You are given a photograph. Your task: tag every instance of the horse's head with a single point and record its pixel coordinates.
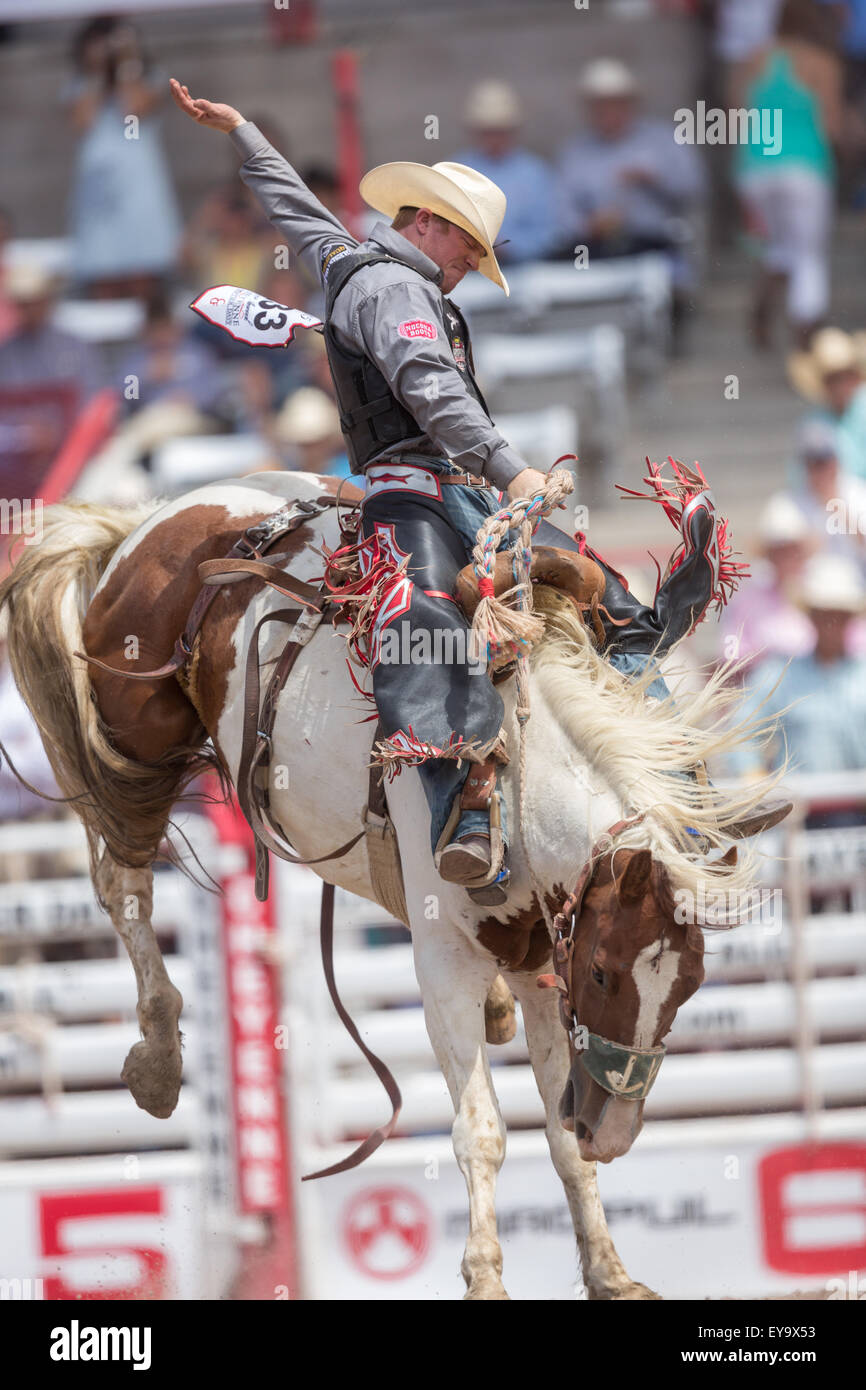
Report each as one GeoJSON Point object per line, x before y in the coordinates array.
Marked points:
{"type": "Point", "coordinates": [632, 964]}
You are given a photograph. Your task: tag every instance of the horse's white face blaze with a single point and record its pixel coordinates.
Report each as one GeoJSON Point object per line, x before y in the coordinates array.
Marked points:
{"type": "Point", "coordinates": [650, 965]}
{"type": "Point", "coordinates": [654, 973]}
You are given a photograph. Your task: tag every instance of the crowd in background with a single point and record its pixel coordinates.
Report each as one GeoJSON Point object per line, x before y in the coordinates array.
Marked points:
{"type": "Point", "coordinates": [617, 186]}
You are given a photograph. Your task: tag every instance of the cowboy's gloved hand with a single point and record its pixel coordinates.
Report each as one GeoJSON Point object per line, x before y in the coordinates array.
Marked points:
{"type": "Point", "coordinates": [214, 115]}
{"type": "Point", "coordinates": [527, 483]}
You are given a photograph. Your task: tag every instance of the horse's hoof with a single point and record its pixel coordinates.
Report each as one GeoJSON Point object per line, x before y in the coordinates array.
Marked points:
{"type": "Point", "coordinates": [153, 1077]}
{"type": "Point", "coordinates": [622, 1293]}
{"type": "Point", "coordinates": [486, 1293]}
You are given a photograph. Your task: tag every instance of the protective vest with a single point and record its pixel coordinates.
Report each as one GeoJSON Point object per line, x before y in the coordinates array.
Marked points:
{"type": "Point", "coordinates": [371, 417]}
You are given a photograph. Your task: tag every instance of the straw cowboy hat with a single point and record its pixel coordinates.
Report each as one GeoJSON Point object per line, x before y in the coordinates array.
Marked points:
{"type": "Point", "coordinates": [833, 582]}
{"type": "Point", "coordinates": [607, 77]}
{"type": "Point", "coordinates": [830, 351]}
{"type": "Point", "coordinates": [493, 106]}
{"type": "Point", "coordinates": [454, 191]}
{"type": "Point", "coordinates": [781, 523]}
{"type": "Point", "coordinates": [25, 282]}
{"type": "Point", "coordinates": [308, 417]}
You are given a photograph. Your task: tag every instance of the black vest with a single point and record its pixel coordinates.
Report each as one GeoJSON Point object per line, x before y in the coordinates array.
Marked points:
{"type": "Point", "coordinates": [371, 417]}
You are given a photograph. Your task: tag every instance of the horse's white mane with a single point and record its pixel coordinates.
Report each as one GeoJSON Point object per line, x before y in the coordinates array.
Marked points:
{"type": "Point", "coordinates": [636, 743]}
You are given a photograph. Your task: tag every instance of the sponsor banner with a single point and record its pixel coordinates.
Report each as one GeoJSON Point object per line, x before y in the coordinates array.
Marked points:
{"type": "Point", "coordinates": [249, 318]}
{"type": "Point", "coordinates": [749, 1222]}
{"type": "Point", "coordinates": [123, 1227]}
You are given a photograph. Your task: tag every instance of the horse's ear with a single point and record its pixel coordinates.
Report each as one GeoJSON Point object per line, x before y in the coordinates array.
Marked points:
{"type": "Point", "coordinates": [729, 858]}
{"type": "Point", "coordinates": [631, 884]}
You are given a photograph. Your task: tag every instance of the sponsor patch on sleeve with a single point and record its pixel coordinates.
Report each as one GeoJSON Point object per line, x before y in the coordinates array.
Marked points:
{"type": "Point", "coordinates": [418, 328]}
{"type": "Point", "coordinates": [334, 253]}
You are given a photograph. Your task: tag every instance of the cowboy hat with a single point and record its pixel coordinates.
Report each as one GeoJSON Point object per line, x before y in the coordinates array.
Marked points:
{"type": "Point", "coordinates": [309, 416]}
{"type": "Point", "coordinates": [454, 191]}
{"type": "Point", "coordinates": [833, 582]}
{"type": "Point", "coordinates": [830, 351]}
{"type": "Point", "coordinates": [493, 106]}
{"type": "Point", "coordinates": [607, 77]}
{"type": "Point", "coordinates": [781, 523]}
{"type": "Point", "coordinates": [25, 283]}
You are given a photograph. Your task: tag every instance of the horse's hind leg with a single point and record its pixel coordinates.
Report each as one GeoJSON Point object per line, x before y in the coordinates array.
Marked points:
{"type": "Point", "coordinates": [604, 1275]}
{"type": "Point", "coordinates": [152, 1070]}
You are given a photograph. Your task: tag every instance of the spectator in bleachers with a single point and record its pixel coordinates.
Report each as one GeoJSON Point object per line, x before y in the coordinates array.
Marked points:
{"type": "Point", "coordinates": [626, 186]}
{"type": "Point", "coordinates": [788, 196]}
{"type": "Point", "coordinates": [172, 385]}
{"type": "Point", "coordinates": [46, 375]}
{"type": "Point", "coordinates": [819, 701]}
{"type": "Point", "coordinates": [308, 435]}
{"type": "Point", "coordinates": [763, 618]}
{"type": "Point", "coordinates": [832, 502]}
{"type": "Point", "coordinates": [125, 223]}
{"type": "Point", "coordinates": [225, 243]}
{"type": "Point", "coordinates": [493, 119]}
{"type": "Point", "coordinates": [831, 374]}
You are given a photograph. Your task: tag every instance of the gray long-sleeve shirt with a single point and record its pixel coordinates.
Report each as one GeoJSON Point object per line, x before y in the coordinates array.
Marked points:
{"type": "Point", "coordinates": [371, 309]}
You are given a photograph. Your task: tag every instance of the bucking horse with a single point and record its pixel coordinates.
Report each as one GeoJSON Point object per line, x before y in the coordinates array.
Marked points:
{"type": "Point", "coordinates": [609, 837]}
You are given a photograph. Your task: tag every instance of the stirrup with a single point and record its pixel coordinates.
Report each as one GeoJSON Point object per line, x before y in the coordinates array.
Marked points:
{"type": "Point", "coordinates": [497, 843]}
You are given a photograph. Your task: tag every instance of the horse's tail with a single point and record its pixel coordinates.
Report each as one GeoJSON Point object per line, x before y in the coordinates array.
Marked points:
{"type": "Point", "coordinates": [46, 596]}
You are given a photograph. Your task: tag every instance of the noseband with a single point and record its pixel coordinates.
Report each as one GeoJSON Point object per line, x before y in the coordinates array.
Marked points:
{"type": "Point", "coordinates": [623, 1071]}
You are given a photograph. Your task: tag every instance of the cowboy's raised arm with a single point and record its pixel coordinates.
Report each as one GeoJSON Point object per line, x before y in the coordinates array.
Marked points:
{"type": "Point", "coordinates": [306, 224]}
{"type": "Point", "coordinates": [404, 332]}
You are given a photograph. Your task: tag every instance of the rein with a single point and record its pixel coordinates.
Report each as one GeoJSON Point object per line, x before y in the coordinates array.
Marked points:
{"type": "Point", "coordinates": [621, 1070]}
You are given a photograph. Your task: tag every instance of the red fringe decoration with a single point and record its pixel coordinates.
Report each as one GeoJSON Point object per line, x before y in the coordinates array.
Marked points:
{"type": "Point", "coordinates": [675, 495]}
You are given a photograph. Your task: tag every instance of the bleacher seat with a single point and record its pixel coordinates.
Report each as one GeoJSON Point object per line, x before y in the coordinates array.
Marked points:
{"type": "Point", "coordinates": [101, 321]}
{"type": "Point", "coordinates": [585, 371]}
{"type": "Point", "coordinates": [195, 460]}
{"type": "Point", "coordinates": [541, 436]}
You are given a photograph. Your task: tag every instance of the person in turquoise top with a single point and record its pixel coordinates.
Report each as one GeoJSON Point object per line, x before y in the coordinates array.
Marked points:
{"type": "Point", "coordinates": [786, 183]}
{"type": "Point", "coordinates": [831, 374]}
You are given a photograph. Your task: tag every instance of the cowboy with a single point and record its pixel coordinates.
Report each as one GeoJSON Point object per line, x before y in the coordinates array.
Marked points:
{"type": "Point", "coordinates": [417, 426]}
{"type": "Point", "coordinates": [831, 375]}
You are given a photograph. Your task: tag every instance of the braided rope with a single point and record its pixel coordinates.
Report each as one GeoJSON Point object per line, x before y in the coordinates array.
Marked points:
{"type": "Point", "coordinates": [506, 627]}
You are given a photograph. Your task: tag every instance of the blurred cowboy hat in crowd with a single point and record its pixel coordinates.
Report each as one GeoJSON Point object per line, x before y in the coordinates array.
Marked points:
{"type": "Point", "coordinates": [607, 77]}
{"type": "Point", "coordinates": [454, 191]}
{"type": "Point", "coordinates": [830, 351]}
{"type": "Point", "coordinates": [834, 583]}
{"type": "Point", "coordinates": [493, 106]}
{"type": "Point", "coordinates": [781, 523]}
{"type": "Point", "coordinates": [309, 416]}
{"type": "Point", "coordinates": [26, 283]}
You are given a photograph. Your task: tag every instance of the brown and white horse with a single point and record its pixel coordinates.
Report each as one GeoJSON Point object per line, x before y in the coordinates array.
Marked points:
{"type": "Point", "coordinates": [119, 584]}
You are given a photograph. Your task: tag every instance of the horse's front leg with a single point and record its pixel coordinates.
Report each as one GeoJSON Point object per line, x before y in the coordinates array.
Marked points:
{"type": "Point", "coordinates": [454, 983]}
{"type": "Point", "coordinates": [604, 1274]}
{"type": "Point", "coordinates": [152, 1070]}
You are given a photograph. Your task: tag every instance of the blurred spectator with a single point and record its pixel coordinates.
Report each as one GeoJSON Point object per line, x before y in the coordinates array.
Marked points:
{"type": "Point", "coordinates": [493, 118]}
{"type": "Point", "coordinates": [8, 316]}
{"type": "Point", "coordinates": [819, 701]}
{"type": "Point", "coordinates": [788, 196]}
{"type": "Point", "coordinates": [172, 386]}
{"type": "Point", "coordinates": [307, 433]}
{"type": "Point", "coordinates": [124, 219]}
{"type": "Point", "coordinates": [763, 618]}
{"type": "Point", "coordinates": [832, 502]}
{"type": "Point", "coordinates": [831, 374]}
{"type": "Point", "coordinates": [46, 375]}
{"type": "Point", "coordinates": [225, 243]}
{"type": "Point", "coordinates": [626, 186]}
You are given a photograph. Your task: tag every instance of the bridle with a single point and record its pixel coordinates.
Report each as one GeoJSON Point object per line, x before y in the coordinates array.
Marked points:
{"type": "Point", "coordinates": [627, 1072]}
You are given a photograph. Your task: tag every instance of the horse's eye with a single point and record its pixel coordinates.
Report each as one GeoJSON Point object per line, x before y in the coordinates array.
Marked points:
{"type": "Point", "coordinates": [598, 975]}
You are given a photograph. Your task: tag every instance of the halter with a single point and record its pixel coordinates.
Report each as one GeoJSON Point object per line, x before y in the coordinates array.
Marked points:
{"type": "Point", "coordinates": [621, 1070]}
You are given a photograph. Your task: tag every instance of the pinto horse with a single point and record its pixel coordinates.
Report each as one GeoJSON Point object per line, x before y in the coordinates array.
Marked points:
{"type": "Point", "coordinates": [118, 584]}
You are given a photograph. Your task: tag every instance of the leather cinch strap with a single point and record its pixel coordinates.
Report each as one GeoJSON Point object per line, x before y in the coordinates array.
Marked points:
{"type": "Point", "coordinates": [378, 1136]}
